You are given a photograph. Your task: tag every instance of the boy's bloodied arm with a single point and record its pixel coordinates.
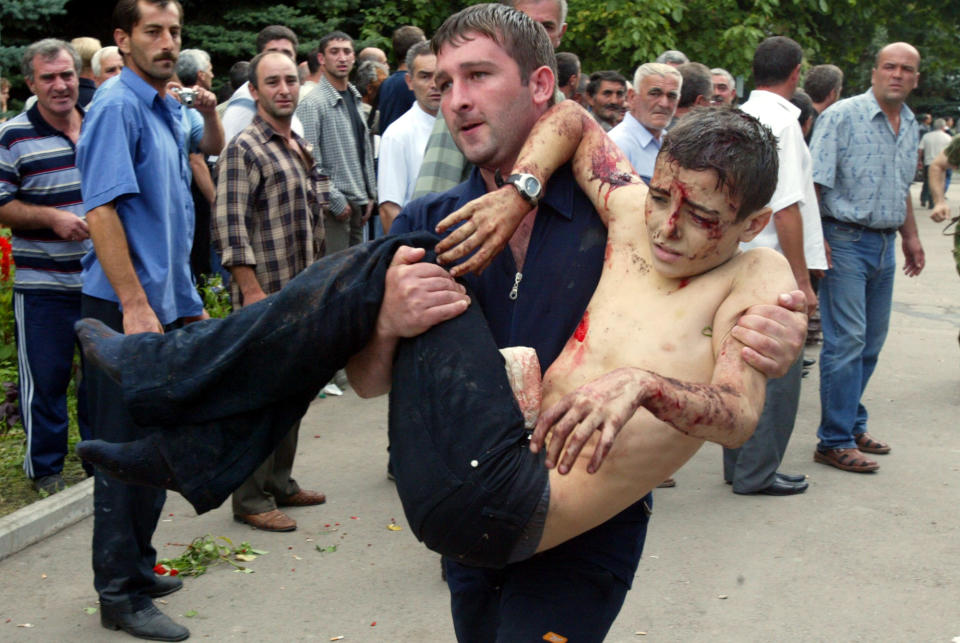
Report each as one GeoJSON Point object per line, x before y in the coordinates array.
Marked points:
{"type": "Point", "coordinates": [563, 133]}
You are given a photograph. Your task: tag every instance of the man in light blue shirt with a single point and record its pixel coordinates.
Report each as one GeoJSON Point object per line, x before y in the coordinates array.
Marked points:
{"type": "Point", "coordinates": [864, 157]}
{"type": "Point", "coordinates": [654, 102]}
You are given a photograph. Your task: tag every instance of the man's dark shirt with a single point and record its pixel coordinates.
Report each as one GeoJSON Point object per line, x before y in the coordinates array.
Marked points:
{"type": "Point", "coordinates": [395, 98]}
{"type": "Point", "coordinates": [87, 89]}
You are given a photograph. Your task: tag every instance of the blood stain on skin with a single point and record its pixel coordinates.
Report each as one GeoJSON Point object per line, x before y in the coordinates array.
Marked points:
{"type": "Point", "coordinates": [607, 253]}
{"type": "Point", "coordinates": [683, 283]}
{"type": "Point", "coordinates": [604, 166]}
{"type": "Point", "coordinates": [581, 333]}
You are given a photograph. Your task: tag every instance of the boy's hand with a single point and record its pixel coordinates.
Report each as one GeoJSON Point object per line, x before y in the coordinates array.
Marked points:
{"type": "Point", "coordinates": [605, 405]}
{"type": "Point", "coordinates": [488, 224]}
{"type": "Point", "coordinates": [773, 336]}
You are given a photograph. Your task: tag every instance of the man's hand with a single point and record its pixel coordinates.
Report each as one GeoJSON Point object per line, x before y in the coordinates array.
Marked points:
{"type": "Point", "coordinates": [205, 101]}
{"type": "Point", "coordinates": [605, 405]}
{"type": "Point", "coordinates": [488, 224]}
{"type": "Point", "coordinates": [140, 318]}
{"type": "Point", "coordinates": [940, 212]}
{"type": "Point", "coordinates": [367, 212]}
{"type": "Point", "coordinates": [68, 226]}
{"type": "Point", "coordinates": [913, 256]}
{"type": "Point", "coordinates": [345, 215]}
{"type": "Point", "coordinates": [417, 296]}
{"type": "Point", "coordinates": [773, 335]}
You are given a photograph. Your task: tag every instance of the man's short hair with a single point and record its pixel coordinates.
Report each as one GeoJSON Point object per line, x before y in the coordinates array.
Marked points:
{"type": "Point", "coordinates": [672, 57]}
{"type": "Point", "coordinates": [86, 47]}
{"type": "Point", "coordinates": [313, 63]}
{"type": "Point", "coordinates": [126, 13]}
{"type": "Point", "coordinates": [419, 49]}
{"type": "Point", "coordinates": [738, 147]}
{"type": "Point", "coordinates": [524, 39]}
{"type": "Point", "coordinates": [47, 49]}
{"type": "Point", "coordinates": [238, 73]}
{"type": "Point", "coordinates": [775, 59]}
{"type": "Point", "coordinates": [609, 75]}
{"type": "Point", "coordinates": [96, 63]}
{"type": "Point", "coordinates": [821, 80]}
{"type": "Point", "coordinates": [276, 32]}
{"type": "Point", "coordinates": [720, 71]}
{"type": "Point", "coordinates": [656, 69]}
{"type": "Point", "coordinates": [568, 64]}
{"type": "Point", "coordinates": [367, 74]}
{"type": "Point", "coordinates": [560, 3]}
{"type": "Point", "coordinates": [802, 100]}
{"type": "Point", "coordinates": [405, 37]}
{"type": "Point", "coordinates": [190, 63]}
{"type": "Point", "coordinates": [939, 123]}
{"type": "Point", "coordinates": [697, 81]}
{"type": "Point", "coordinates": [330, 37]}
{"type": "Point", "coordinates": [252, 71]}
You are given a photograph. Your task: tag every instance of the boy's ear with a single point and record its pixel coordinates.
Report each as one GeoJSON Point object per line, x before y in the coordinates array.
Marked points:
{"type": "Point", "coordinates": [755, 222]}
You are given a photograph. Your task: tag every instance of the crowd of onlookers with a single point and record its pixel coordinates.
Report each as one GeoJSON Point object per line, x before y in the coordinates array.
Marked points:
{"type": "Point", "coordinates": [126, 182]}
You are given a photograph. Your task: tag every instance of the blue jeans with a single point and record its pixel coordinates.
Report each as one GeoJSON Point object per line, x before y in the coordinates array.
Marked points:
{"type": "Point", "coordinates": [855, 299]}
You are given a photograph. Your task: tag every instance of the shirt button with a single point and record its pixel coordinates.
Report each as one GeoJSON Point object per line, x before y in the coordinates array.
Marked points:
{"type": "Point", "coordinates": [474, 464]}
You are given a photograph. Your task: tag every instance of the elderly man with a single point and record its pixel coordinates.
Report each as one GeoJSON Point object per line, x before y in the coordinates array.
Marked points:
{"type": "Point", "coordinates": [864, 159]}
{"type": "Point", "coordinates": [40, 201]}
{"type": "Point", "coordinates": [724, 87]}
{"type": "Point", "coordinates": [653, 102]}
{"type": "Point", "coordinates": [106, 63]}
{"type": "Point", "coordinates": [607, 91]}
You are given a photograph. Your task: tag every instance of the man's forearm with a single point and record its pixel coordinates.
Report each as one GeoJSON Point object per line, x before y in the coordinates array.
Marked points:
{"type": "Point", "coordinates": [201, 176]}
{"type": "Point", "coordinates": [789, 224]}
{"type": "Point", "coordinates": [370, 371]}
{"type": "Point", "coordinates": [27, 216]}
{"type": "Point", "coordinates": [246, 278]}
{"type": "Point", "coordinates": [937, 179]}
{"type": "Point", "coordinates": [388, 212]}
{"type": "Point", "coordinates": [213, 138]}
{"type": "Point", "coordinates": [113, 253]}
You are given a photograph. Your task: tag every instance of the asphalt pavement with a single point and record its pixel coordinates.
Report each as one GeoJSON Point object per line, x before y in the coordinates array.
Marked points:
{"type": "Point", "coordinates": [858, 557]}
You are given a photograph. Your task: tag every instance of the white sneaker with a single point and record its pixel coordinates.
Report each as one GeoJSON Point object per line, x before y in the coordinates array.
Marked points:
{"type": "Point", "coordinates": [332, 389]}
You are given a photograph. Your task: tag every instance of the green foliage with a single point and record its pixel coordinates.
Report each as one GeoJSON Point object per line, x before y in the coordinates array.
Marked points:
{"type": "Point", "coordinates": [216, 298]}
{"type": "Point", "coordinates": [206, 551]}
{"type": "Point", "coordinates": [31, 18]}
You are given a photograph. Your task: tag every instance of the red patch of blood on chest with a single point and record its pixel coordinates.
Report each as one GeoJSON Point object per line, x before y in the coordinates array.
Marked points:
{"type": "Point", "coordinates": [581, 333]}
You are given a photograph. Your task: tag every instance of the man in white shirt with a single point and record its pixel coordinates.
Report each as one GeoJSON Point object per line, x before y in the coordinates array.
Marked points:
{"type": "Point", "coordinates": [776, 69]}
{"type": "Point", "coordinates": [652, 106]}
{"type": "Point", "coordinates": [403, 144]}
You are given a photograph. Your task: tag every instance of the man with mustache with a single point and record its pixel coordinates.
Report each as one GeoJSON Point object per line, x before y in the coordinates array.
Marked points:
{"type": "Point", "coordinates": [136, 196]}
{"type": "Point", "coordinates": [654, 101]}
{"type": "Point", "coordinates": [333, 125]}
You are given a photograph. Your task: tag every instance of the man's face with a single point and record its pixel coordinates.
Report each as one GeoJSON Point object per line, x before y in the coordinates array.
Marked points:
{"type": "Point", "coordinates": [655, 102]}
{"type": "Point", "coordinates": [420, 80]}
{"type": "Point", "coordinates": [154, 43]}
{"type": "Point", "coordinates": [281, 45]}
{"type": "Point", "coordinates": [205, 77]}
{"type": "Point", "coordinates": [896, 73]}
{"type": "Point", "coordinates": [723, 91]}
{"type": "Point", "coordinates": [608, 101]}
{"type": "Point", "coordinates": [337, 59]}
{"type": "Point", "coordinates": [691, 225]}
{"type": "Point", "coordinates": [547, 13]}
{"type": "Point", "coordinates": [110, 65]}
{"type": "Point", "coordinates": [488, 109]}
{"type": "Point", "coordinates": [278, 87]}
{"type": "Point", "coordinates": [55, 83]}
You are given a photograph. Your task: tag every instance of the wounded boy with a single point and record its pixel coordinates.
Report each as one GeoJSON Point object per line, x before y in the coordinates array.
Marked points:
{"type": "Point", "coordinates": [672, 287]}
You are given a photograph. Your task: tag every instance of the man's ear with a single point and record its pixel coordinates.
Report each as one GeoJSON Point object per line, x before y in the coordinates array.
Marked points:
{"type": "Point", "coordinates": [756, 221]}
{"type": "Point", "coordinates": [542, 84]}
{"type": "Point", "coordinates": [121, 38]}
{"type": "Point", "coordinates": [409, 79]}
{"type": "Point", "coordinates": [702, 101]}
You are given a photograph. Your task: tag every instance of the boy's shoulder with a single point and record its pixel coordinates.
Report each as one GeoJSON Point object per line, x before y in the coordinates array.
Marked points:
{"type": "Point", "coordinates": [760, 271]}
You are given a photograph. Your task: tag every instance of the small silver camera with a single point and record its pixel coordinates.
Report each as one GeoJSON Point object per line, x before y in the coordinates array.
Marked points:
{"type": "Point", "coordinates": [187, 96]}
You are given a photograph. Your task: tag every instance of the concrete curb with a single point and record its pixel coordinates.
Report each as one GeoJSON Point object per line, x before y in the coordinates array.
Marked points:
{"type": "Point", "coordinates": [45, 517]}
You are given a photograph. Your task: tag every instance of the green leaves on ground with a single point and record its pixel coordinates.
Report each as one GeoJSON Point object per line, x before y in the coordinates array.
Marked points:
{"type": "Point", "coordinates": [206, 551]}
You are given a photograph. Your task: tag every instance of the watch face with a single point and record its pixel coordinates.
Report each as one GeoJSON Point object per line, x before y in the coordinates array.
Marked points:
{"type": "Point", "coordinates": [531, 186]}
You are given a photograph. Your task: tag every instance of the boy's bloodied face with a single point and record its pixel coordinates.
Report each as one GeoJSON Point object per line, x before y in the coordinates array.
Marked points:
{"type": "Point", "coordinates": [691, 221]}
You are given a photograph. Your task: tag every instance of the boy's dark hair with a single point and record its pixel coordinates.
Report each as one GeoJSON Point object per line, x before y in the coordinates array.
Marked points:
{"type": "Point", "coordinates": [609, 75]}
{"type": "Point", "coordinates": [738, 147]}
{"type": "Point", "coordinates": [697, 81]}
{"type": "Point", "coordinates": [775, 59]}
{"type": "Point", "coordinates": [333, 35]}
{"type": "Point", "coordinates": [403, 38]}
{"type": "Point", "coordinates": [821, 80]}
{"type": "Point", "coordinates": [126, 13]}
{"type": "Point", "coordinates": [277, 32]}
{"type": "Point", "coordinates": [524, 39]}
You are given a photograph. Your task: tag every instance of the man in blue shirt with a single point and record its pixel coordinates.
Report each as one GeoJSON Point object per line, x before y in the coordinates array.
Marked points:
{"type": "Point", "coordinates": [136, 190]}
{"type": "Point", "coordinates": [864, 156]}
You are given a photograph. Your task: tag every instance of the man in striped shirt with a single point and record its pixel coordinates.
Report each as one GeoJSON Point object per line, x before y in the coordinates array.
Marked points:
{"type": "Point", "coordinates": [40, 201]}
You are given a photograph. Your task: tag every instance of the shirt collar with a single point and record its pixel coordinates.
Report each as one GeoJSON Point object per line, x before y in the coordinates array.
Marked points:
{"type": "Point", "coordinates": [332, 94]}
{"type": "Point", "coordinates": [775, 99]}
{"type": "Point", "coordinates": [906, 114]}
{"type": "Point", "coordinates": [144, 91]}
{"type": "Point", "coordinates": [42, 126]}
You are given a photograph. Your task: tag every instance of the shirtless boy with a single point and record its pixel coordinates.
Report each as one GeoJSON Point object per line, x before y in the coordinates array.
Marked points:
{"type": "Point", "coordinates": [657, 329]}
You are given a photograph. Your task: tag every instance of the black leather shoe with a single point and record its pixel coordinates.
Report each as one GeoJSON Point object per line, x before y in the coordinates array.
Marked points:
{"type": "Point", "coordinates": [781, 487]}
{"type": "Point", "coordinates": [790, 477]}
{"type": "Point", "coordinates": [163, 585]}
{"type": "Point", "coordinates": [149, 623]}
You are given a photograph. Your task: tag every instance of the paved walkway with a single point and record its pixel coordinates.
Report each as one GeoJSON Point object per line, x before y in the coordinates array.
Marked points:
{"type": "Point", "coordinates": [856, 558]}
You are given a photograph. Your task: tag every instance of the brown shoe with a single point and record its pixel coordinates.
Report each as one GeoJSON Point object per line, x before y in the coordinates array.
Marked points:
{"type": "Point", "coordinates": [846, 459]}
{"type": "Point", "coordinates": [666, 484]}
{"type": "Point", "coordinates": [274, 520]}
{"type": "Point", "coordinates": [868, 445]}
{"type": "Point", "coordinates": [303, 498]}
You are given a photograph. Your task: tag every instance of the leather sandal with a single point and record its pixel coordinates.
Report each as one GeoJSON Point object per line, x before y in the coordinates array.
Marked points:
{"type": "Point", "coordinates": [303, 498]}
{"type": "Point", "coordinates": [867, 444]}
{"type": "Point", "coordinates": [846, 459]}
{"type": "Point", "coordinates": [274, 520]}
